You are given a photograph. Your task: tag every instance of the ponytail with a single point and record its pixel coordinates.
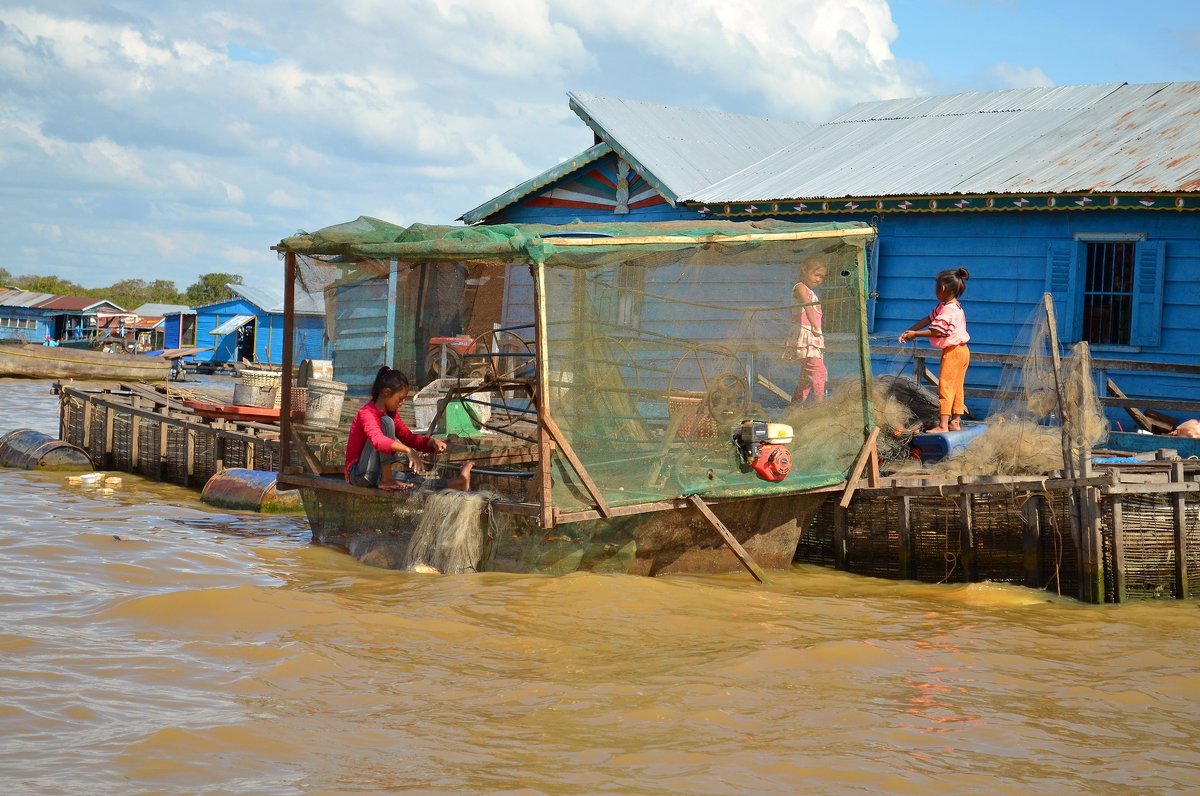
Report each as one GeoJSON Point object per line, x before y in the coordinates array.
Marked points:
{"type": "Point", "coordinates": [955, 279]}
{"type": "Point", "coordinates": [388, 379]}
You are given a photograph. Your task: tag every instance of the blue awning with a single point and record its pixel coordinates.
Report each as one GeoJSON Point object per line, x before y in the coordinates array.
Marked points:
{"type": "Point", "coordinates": [232, 325]}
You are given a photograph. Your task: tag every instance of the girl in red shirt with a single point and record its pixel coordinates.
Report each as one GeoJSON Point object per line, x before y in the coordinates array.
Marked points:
{"type": "Point", "coordinates": [379, 439]}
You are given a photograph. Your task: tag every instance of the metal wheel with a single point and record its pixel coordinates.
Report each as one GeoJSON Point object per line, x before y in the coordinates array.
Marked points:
{"type": "Point", "coordinates": [707, 393]}
{"type": "Point", "coordinates": [505, 361]}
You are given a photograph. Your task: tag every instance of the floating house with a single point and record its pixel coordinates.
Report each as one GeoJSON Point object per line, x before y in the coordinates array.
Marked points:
{"type": "Point", "coordinates": [248, 327]}
{"type": "Point", "coordinates": [1090, 193]}
{"type": "Point", "coordinates": [32, 317]}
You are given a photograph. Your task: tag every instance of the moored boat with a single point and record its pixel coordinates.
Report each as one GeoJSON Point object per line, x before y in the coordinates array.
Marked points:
{"type": "Point", "coordinates": [21, 360]}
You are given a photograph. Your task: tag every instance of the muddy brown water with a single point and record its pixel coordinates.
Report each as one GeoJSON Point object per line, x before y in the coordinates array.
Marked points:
{"type": "Point", "coordinates": [151, 644]}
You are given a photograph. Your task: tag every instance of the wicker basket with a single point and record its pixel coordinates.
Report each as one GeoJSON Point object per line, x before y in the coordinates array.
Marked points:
{"type": "Point", "coordinates": [267, 379]}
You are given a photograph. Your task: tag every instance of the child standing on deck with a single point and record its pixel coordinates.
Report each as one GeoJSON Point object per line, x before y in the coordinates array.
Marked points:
{"type": "Point", "coordinates": [379, 438]}
{"type": "Point", "coordinates": [806, 344]}
{"type": "Point", "coordinates": [946, 328]}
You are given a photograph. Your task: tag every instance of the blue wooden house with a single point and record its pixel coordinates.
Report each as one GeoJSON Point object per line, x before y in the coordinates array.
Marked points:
{"type": "Point", "coordinates": [249, 327]}
{"type": "Point", "coordinates": [1090, 193]}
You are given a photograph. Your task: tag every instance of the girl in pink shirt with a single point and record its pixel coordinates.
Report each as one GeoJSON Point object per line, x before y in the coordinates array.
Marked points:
{"type": "Point", "coordinates": [806, 344]}
{"type": "Point", "coordinates": [379, 438]}
{"type": "Point", "coordinates": [946, 328]}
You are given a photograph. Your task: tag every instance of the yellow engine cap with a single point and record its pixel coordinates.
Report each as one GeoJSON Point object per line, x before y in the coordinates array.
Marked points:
{"type": "Point", "coordinates": [780, 433]}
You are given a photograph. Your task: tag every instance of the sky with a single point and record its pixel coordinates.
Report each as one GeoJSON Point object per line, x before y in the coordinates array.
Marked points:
{"type": "Point", "coordinates": [150, 140]}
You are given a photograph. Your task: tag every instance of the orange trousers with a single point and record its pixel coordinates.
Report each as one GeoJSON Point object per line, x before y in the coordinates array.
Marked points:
{"type": "Point", "coordinates": [951, 393]}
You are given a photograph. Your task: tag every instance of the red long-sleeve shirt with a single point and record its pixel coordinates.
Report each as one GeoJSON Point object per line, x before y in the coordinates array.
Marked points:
{"type": "Point", "coordinates": [366, 428]}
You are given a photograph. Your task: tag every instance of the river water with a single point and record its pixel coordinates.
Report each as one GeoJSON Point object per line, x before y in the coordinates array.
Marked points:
{"type": "Point", "coordinates": [151, 644]}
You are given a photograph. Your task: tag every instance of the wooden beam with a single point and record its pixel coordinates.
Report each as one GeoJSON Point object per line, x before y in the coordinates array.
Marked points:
{"type": "Point", "coordinates": [864, 455]}
{"type": "Point", "coordinates": [568, 452]}
{"type": "Point", "coordinates": [1179, 521]}
{"type": "Point", "coordinates": [310, 459]}
{"type": "Point", "coordinates": [542, 399]}
{"type": "Point", "coordinates": [905, 553]}
{"type": "Point", "coordinates": [285, 381]}
{"type": "Point", "coordinates": [732, 543]}
{"type": "Point", "coordinates": [1118, 543]}
{"type": "Point", "coordinates": [1146, 423]}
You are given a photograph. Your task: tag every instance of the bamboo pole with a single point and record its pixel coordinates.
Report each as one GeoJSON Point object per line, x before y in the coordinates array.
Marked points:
{"type": "Point", "coordinates": [542, 363]}
{"type": "Point", "coordinates": [687, 240]}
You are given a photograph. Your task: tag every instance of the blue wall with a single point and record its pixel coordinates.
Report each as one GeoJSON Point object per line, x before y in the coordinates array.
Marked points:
{"type": "Point", "coordinates": [20, 323]}
{"type": "Point", "coordinates": [268, 334]}
{"type": "Point", "coordinates": [1010, 256]}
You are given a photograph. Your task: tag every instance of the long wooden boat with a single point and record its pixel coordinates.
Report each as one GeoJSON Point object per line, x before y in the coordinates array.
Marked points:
{"type": "Point", "coordinates": [49, 362]}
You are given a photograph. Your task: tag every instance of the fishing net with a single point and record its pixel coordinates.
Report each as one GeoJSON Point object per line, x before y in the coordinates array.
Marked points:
{"type": "Point", "coordinates": [450, 532]}
{"type": "Point", "coordinates": [659, 339]}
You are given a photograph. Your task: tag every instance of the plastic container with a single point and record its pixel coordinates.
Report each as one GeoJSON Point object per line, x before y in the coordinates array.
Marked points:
{"type": "Point", "coordinates": [935, 447]}
{"type": "Point", "coordinates": [324, 404]}
{"type": "Point", "coordinates": [458, 413]}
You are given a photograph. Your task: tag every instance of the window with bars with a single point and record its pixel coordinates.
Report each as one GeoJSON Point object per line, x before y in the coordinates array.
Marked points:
{"type": "Point", "coordinates": [1108, 292]}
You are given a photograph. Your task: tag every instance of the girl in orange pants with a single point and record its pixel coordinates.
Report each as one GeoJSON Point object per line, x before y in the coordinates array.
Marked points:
{"type": "Point", "coordinates": [946, 328]}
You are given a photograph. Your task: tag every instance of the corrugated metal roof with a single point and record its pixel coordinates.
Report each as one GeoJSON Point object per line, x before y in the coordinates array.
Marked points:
{"type": "Point", "coordinates": [1112, 137]}
{"type": "Point", "coordinates": [270, 298]}
{"type": "Point", "coordinates": [14, 297]}
{"type": "Point", "coordinates": [231, 325]}
{"type": "Point", "coordinates": [552, 174]}
{"type": "Point", "coordinates": [151, 308]}
{"type": "Point", "coordinates": [682, 150]}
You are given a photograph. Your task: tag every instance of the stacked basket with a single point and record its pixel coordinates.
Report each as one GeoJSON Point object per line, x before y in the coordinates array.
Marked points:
{"type": "Point", "coordinates": [257, 388]}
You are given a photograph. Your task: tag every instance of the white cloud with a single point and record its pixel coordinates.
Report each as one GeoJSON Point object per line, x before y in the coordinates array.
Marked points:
{"type": "Point", "coordinates": [1006, 75]}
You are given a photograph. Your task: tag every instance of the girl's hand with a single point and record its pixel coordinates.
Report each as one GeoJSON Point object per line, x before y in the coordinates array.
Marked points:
{"type": "Point", "coordinates": [905, 336]}
{"type": "Point", "coordinates": [415, 464]}
{"type": "Point", "coordinates": [439, 445]}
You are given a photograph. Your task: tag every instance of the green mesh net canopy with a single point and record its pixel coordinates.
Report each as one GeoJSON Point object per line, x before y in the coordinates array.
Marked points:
{"type": "Point", "coordinates": [658, 339]}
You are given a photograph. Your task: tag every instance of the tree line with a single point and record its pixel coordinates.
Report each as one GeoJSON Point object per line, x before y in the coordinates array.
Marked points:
{"type": "Point", "coordinates": [131, 293]}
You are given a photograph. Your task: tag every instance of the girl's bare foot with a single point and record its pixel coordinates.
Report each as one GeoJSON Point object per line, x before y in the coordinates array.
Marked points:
{"type": "Point", "coordinates": [394, 486]}
{"type": "Point", "coordinates": [463, 480]}
{"type": "Point", "coordinates": [937, 430]}
{"type": "Point", "coordinates": [955, 425]}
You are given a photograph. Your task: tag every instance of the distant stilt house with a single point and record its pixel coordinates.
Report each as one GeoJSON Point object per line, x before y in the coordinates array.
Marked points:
{"type": "Point", "coordinates": [248, 327]}
{"type": "Point", "coordinates": [35, 317]}
{"type": "Point", "coordinates": [151, 324]}
{"type": "Point", "coordinates": [1090, 193]}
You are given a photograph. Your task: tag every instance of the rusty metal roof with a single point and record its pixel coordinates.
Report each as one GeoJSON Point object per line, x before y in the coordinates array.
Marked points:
{"type": "Point", "coordinates": [1111, 137]}
{"type": "Point", "coordinates": [15, 297]}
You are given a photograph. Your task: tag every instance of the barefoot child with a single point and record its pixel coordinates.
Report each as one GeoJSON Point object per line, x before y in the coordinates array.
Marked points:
{"type": "Point", "coordinates": [379, 438]}
{"type": "Point", "coordinates": [806, 344]}
{"type": "Point", "coordinates": [946, 328]}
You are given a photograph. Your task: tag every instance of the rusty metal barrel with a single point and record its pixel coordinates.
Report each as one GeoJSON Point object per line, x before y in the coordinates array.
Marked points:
{"type": "Point", "coordinates": [249, 490]}
{"type": "Point", "coordinates": [33, 450]}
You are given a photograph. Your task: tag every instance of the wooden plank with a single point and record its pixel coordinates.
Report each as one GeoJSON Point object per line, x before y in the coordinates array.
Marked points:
{"type": "Point", "coordinates": [983, 358]}
{"type": "Point", "coordinates": [1031, 541]}
{"type": "Point", "coordinates": [1179, 522]}
{"type": "Point", "coordinates": [856, 471]}
{"type": "Point", "coordinates": [1139, 418]}
{"type": "Point", "coordinates": [772, 388]}
{"type": "Point", "coordinates": [310, 459]}
{"type": "Point", "coordinates": [732, 543]}
{"type": "Point", "coordinates": [1118, 543]}
{"type": "Point", "coordinates": [568, 452]}
{"type": "Point", "coordinates": [542, 399]}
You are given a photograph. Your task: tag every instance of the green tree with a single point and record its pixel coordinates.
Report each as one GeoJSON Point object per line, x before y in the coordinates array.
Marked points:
{"type": "Point", "coordinates": [50, 284]}
{"type": "Point", "coordinates": [6, 279]}
{"type": "Point", "coordinates": [210, 289]}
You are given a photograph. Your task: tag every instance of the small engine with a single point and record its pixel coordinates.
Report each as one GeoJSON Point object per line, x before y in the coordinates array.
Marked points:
{"type": "Point", "coordinates": [761, 447]}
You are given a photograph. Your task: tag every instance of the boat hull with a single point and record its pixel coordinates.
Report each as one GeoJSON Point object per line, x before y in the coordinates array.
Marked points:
{"type": "Point", "coordinates": [49, 362]}
{"type": "Point", "coordinates": [376, 529]}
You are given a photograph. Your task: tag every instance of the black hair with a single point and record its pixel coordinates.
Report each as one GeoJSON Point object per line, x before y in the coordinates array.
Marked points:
{"type": "Point", "coordinates": [954, 280]}
{"type": "Point", "coordinates": [388, 379]}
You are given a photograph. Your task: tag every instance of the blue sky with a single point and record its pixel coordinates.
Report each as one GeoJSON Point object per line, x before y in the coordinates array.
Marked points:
{"type": "Point", "coordinates": [164, 140]}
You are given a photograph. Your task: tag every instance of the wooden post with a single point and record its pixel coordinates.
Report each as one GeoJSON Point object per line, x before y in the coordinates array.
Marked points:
{"type": "Point", "coordinates": [1179, 519]}
{"type": "Point", "coordinates": [841, 536]}
{"type": "Point", "coordinates": [545, 444]}
{"type": "Point", "coordinates": [108, 438]}
{"type": "Point", "coordinates": [1091, 551]}
{"type": "Point", "coordinates": [163, 437]}
{"type": "Point", "coordinates": [1118, 543]}
{"type": "Point", "coordinates": [219, 446]}
{"type": "Point", "coordinates": [864, 456]}
{"type": "Point", "coordinates": [1059, 387]}
{"type": "Point", "coordinates": [731, 542]}
{"type": "Point", "coordinates": [190, 456]}
{"type": "Point", "coordinates": [135, 443]}
{"type": "Point", "coordinates": [904, 506]}
{"type": "Point", "coordinates": [285, 380]}
{"type": "Point", "coordinates": [1031, 541]}
{"type": "Point", "coordinates": [966, 539]}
